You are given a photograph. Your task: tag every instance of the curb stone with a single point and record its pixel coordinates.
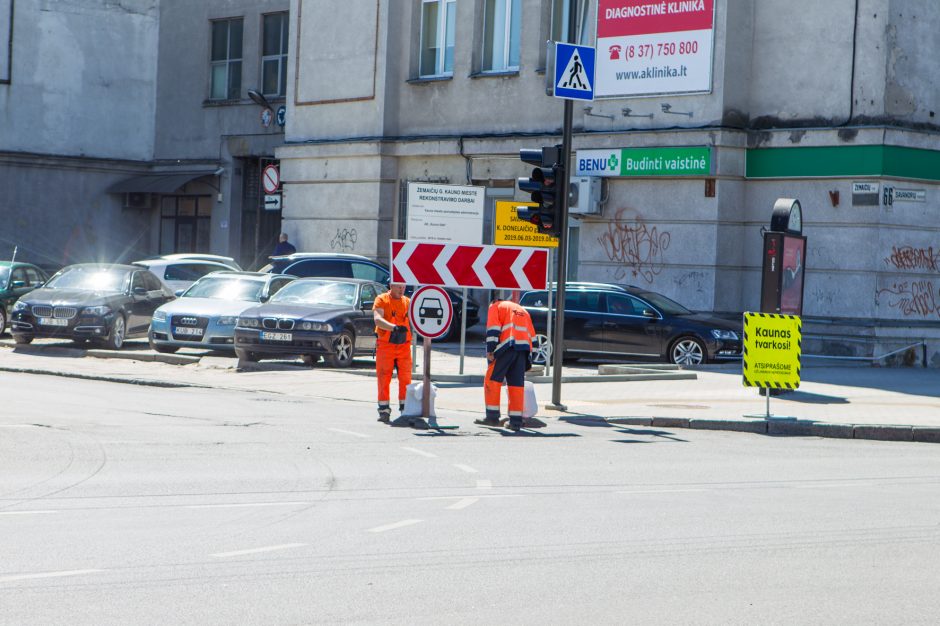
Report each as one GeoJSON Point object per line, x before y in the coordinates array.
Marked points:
{"type": "Point", "coordinates": [756, 426]}
{"type": "Point", "coordinates": [670, 422]}
{"type": "Point", "coordinates": [926, 434]}
{"type": "Point", "coordinates": [106, 379]}
{"type": "Point", "coordinates": [884, 433]}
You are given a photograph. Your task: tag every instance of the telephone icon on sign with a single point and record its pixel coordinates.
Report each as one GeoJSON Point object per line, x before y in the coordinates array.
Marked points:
{"type": "Point", "coordinates": [614, 52]}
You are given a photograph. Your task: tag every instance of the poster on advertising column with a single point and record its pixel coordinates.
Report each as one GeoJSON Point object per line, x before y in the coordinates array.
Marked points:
{"type": "Point", "coordinates": [647, 48]}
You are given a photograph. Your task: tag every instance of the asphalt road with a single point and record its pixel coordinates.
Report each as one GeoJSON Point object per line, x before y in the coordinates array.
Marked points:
{"type": "Point", "coordinates": [136, 505]}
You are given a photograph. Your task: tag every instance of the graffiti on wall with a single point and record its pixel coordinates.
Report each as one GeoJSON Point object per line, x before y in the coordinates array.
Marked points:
{"type": "Point", "coordinates": [916, 298]}
{"type": "Point", "coordinates": [910, 258]}
{"type": "Point", "coordinates": [345, 239]}
{"type": "Point", "coordinates": [637, 247]}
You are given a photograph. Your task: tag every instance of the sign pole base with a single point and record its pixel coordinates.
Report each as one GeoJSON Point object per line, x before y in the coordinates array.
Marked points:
{"type": "Point", "coordinates": [552, 406]}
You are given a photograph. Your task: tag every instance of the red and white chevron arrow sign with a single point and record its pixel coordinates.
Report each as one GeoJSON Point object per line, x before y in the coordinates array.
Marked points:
{"type": "Point", "coordinates": [460, 265]}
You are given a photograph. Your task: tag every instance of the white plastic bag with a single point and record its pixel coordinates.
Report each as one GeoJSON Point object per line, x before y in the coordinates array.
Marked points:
{"type": "Point", "coordinates": [413, 400]}
{"type": "Point", "coordinates": [531, 406]}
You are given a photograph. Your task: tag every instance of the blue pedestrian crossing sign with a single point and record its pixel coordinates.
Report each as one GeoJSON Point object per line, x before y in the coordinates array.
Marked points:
{"type": "Point", "coordinates": [574, 72]}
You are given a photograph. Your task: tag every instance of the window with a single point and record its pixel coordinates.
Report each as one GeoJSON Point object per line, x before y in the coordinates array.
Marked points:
{"type": "Point", "coordinates": [151, 282]}
{"type": "Point", "coordinates": [35, 278]}
{"type": "Point", "coordinates": [437, 37]}
{"type": "Point", "coordinates": [367, 295]}
{"type": "Point", "coordinates": [274, 55]}
{"type": "Point", "coordinates": [226, 70]}
{"type": "Point", "coordinates": [560, 13]}
{"type": "Point", "coordinates": [326, 267]}
{"type": "Point", "coordinates": [369, 272]}
{"type": "Point", "coordinates": [19, 276]}
{"type": "Point", "coordinates": [501, 31]}
{"type": "Point", "coordinates": [587, 301]}
{"type": "Point", "coordinates": [277, 284]}
{"type": "Point", "coordinates": [137, 282]}
{"type": "Point", "coordinates": [623, 305]}
{"type": "Point", "coordinates": [190, 271]}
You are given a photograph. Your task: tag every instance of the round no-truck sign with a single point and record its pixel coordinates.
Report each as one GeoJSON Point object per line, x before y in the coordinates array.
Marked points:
{"type": "Point", "coordinates": [270, 179]}
{"type": "Point", "coordinates": [431, 311]}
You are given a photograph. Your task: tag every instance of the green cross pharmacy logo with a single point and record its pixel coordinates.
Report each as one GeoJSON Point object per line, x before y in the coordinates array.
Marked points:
{"type": "Point", "coordinates": [613, 162]}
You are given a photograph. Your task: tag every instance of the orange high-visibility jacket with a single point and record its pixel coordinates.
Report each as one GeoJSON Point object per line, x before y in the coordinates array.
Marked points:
{"type": "Point", "coordinates": [508, 327]}
{"type": "Point", "coordinates": [396, 312]}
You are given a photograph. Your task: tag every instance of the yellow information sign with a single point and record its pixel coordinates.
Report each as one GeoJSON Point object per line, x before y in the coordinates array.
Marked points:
{"type": "Point", "coordinates": [509, 230]}
{"type": "Point", "coordinates": [772, 350]}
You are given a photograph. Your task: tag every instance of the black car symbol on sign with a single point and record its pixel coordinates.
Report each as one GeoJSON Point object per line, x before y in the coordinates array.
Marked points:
{"type": "Point", "coordinates": [431, 308]}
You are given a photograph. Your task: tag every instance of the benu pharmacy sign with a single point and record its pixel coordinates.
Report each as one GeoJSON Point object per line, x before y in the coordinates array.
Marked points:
{"type": "Point", "coordinates": [685, 161]}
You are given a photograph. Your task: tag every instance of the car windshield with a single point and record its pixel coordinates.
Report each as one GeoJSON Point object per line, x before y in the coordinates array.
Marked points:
{"type": "Point", "coordinates": [4, 275]}
{"type": "Point", "coordinates": [317, 292]}
{"type": "Point", "coordinates": [89, 278]}
{"type": "Point", "coordinates": [226, 288]}
{"type": "Point", "coordinates": [664, 304]}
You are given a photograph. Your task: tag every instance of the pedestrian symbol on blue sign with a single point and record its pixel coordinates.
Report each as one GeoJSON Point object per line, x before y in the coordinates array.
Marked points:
{"type": "Point", "coordinates": [574, 72]}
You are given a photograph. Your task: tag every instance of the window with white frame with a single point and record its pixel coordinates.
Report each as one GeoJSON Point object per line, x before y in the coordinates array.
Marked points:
{"type": "Point", "coordinates": [502, 27]}
{"type": "Point", "coordinates": [560, 13]}
{"type": "Point", "coordinates": [437, 37]}
{"type": "Point", "coordinates": [274, 55]}
{"type": "Point", "coordinates": [226, 60]}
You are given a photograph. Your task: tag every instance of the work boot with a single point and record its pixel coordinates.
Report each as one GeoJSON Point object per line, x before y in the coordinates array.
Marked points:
{"type": "Point", "coordinates": [385, 415]}
{"type": "Point", "coordinates": [489, 421]}
{"type": "Point", "coordinates": [514, 425]}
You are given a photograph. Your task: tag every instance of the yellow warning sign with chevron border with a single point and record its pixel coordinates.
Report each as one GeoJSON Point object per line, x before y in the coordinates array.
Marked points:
{"type": "Point", "coordinates": [772, 350]}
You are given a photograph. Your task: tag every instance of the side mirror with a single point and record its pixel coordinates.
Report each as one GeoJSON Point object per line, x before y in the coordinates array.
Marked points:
{"type": "Point", "coordinates": [140, 291]}
{"type": "Point", "coordinates": [367, 305]}
{"type": "Point", "coordinates": [650, 313]}
{"type": "Point", "coordinates": [264, 298]}
{"type": "Point", "coordinates": [179, 292]}
{"type": "Point", "coordinates": [18, 284]}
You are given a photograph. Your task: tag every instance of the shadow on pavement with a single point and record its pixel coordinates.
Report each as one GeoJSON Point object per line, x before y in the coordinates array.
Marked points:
{"type": "Point", "coordinates": [660, 434]}
{"type": "Point", "coordinates": [813, 398]}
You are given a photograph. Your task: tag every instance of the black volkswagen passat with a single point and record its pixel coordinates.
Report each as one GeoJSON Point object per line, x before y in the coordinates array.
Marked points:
{"type": "Point", "coordinates": [311, 317]}
{"type": "Point", "coordinates": [608, 321]}
{"type": "Point", "coordinates": [104, 303]}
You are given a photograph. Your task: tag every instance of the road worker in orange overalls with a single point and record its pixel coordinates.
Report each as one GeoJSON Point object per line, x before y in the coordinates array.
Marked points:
{"type": "Point", "coordinates": [509, 335]}
{"type": "Point", "coordinates": [393, 346]}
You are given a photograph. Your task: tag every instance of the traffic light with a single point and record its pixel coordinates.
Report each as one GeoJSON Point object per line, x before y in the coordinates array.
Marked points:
{"type": "Point", "coordinates": [543, 186]}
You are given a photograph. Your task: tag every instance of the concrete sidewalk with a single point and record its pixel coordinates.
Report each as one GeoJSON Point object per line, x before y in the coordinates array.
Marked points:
{"type": "Point", "coordinates": [833, 401]}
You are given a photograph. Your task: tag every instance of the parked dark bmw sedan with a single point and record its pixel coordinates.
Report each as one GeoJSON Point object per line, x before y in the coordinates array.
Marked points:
{"type": "Point", "coordinates": [311, 317]}
{"type": "Point", "coordinates": [104, 303]}
{"type": "Point", "coordinates": [613, 321]}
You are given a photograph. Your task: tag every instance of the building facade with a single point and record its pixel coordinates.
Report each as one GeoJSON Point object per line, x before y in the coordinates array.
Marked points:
{"type": "Point", "coordinates": [803, 100]}
{"type": "Point", "coordinates": [127, 130]}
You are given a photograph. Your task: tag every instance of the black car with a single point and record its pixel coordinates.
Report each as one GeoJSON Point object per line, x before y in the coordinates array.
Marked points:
{"type": "Point", "coordinates": [612, 321]}
{"type": "Point", "coordinates": [317, 264]}
{"type": "Point", "coordinates": [311, 317]}
{"type": "Point", "coordinates": [104, 303]}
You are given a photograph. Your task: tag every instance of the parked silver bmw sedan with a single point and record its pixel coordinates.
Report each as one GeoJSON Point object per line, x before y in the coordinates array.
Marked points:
{"type": "Point", "coordinates": [204, 315]}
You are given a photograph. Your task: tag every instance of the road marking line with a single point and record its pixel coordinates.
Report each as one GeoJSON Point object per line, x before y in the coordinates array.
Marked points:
{"type": "Point", "coordinates": [245, 504]}
{"type": "Point", "coordinates": [26, 512]}
{"type": "Point", "coordinates": [74, 572]}
{"type": "Point", "coordinates": [347, 432]}
{"type": "Point", "coordinates": [420, 452]}
{"type": "Point", "coordinates": [463, 503]}
{"type": "Point", "coordinates": [484, 484]}
{"type": "Point", "coordinates": [495, 495]}
{"type": "Point", "coordinates": [283, 546]}
{"type": "Point", "coordinates": [466, 468]}
{"type": "Point", "coordinates": [654, 491]}
{"type": "Point", "coordinates": [401, 524]}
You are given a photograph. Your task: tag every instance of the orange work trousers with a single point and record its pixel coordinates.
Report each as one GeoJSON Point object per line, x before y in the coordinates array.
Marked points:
{"type": "Point", "coordinates": [388, 358]}
{"type": "Point", "coordinates": [508, 368]}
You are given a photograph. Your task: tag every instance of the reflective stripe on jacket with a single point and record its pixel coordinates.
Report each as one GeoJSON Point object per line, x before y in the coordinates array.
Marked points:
{"type": "Point", "coordinates": [508, 327]}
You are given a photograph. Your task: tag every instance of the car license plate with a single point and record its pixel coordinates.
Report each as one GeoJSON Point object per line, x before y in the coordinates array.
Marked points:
{"type": "Point", "coordinates": [277, 336]}
{"type": "Point", "coordinates": [183, 330]}
{"type": "Point", "coordinates": [53, 321]}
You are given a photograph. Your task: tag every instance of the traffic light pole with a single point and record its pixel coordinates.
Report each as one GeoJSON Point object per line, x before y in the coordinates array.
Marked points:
{"type": "Point", "coordinates": [559, 341]}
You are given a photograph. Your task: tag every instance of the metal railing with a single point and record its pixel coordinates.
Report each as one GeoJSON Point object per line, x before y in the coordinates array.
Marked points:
{"type": "Point", "coordinates": [878, 357]}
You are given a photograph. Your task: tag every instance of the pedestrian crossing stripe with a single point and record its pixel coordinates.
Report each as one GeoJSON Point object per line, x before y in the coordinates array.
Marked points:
{"type": "Point", "coordinates": [574, 75]}
{"type": "Point", "coordinates": [772, 349]}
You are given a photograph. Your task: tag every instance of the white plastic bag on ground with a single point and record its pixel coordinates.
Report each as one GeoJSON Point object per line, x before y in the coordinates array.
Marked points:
{"type": "Point", "coordinates": [413, 397]}
{"type": "Point", "coordinates": [531, 406]}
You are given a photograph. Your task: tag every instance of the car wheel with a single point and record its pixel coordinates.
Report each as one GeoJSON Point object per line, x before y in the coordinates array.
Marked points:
{"type": "Point", "coordinates": [163, 349]}
{"type": "Point", "coordinates": [3, 320]}
{"type": "Point", "coordinates": [22, 339]}
{"type": "Point", "coordinates": [115, 340]}
{"type": "Point", "coordinates": [687, 351]}
{"type": "Point", "coordinates": [541, 350]}
{"type": "Point", "coordinates": [344, 349]}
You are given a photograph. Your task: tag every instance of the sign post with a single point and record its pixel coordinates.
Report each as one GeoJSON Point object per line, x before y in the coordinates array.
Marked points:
{"type": "Point", "coordinates": [431, 313]}
{"type": "Point", "coordinates": [772, 353]}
